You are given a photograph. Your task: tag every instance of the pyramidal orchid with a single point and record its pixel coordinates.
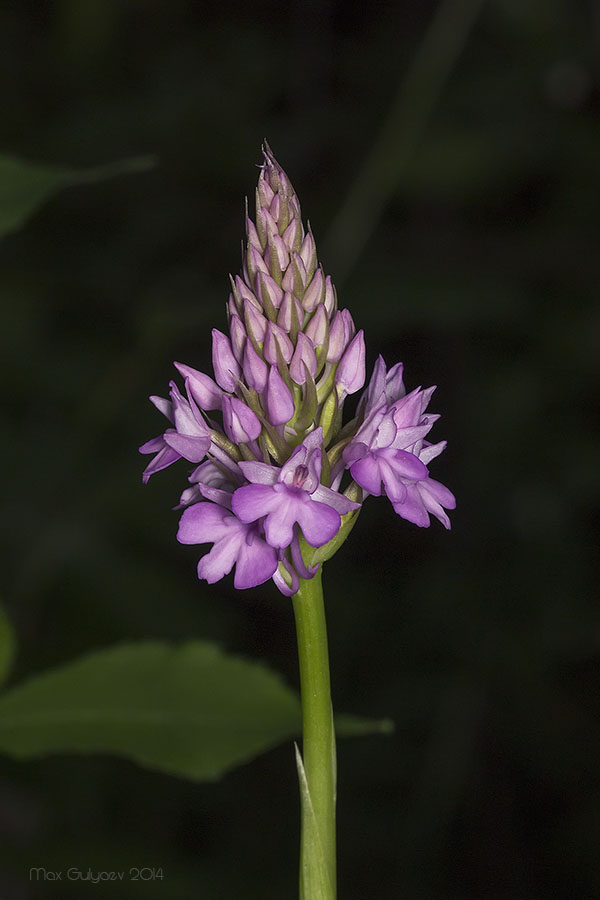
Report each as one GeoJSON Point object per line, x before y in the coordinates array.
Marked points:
{"type": "Point", "coordinates": [277, 478]}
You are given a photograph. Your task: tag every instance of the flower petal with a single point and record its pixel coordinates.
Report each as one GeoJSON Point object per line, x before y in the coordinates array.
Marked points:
{"type": "Point", "coordinates": [394, 486]}
{"type": "Point", "coordinates": [253, 501]}
{"type": "Point", "coordinates": [318, 521]}
{"type": "Point", "coordinates": [440, 492]}
{"type": "Point", "coordinates": [412, 508]}
{"type": "Point", "coordinates": [202, 523]}
{"type": "Point", "coordinates": [432, 506]}
{"type": "Point", "coordinates": [163, 458]}
{"type": "Point", "coordinates": [191, 448]}
{"type": "Point", "coordinates": [259, 472]}
{"type": "Point", "coordinates": [285, 512]}
{"type": "Point", "coordinates": [203, 389]}
{"type": "Point", "coordinates": [407, 465]}
{"type": "Point", "coordinates": [256, 562]}
{"type": "Point", "coordinates": [221, 559]}
{"type": "Point", "coordinates": [431, 451]}
{"type": "Point", "coordinates": [366, 472]}
{"type": "Point", "coordinates": [288, 590]}
{"type": "Point", "coordinates": [334, 499]}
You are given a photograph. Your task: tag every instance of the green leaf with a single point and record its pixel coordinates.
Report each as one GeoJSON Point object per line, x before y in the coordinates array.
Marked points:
{"type": "Point", "coordinates": [190, 710]}
{"type": "Point", "coordinates": [8, 646]}
{"type": "Point", "coordinates": [24, 186]}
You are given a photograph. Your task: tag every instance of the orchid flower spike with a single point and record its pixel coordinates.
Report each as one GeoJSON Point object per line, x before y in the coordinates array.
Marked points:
{"type": "Point", "coordinates": [279, 479]}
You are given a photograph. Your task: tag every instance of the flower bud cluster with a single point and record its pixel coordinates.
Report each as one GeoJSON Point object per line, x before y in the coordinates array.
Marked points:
{"type": "Point", "coordinates": [267, 433]}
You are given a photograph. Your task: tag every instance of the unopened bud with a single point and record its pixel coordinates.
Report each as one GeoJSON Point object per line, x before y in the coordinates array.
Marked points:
{"type": "Point", "coordinates": [225, 365]}
{"type": "Point", "coordinates": [315, 292]}
{"type": "Point", "coordinates": [350, 374]}
{"type": "Point", "coordinates": [303, 360]}
{"type": "Point", "coordinates": [241, 424]}
{"type": "Point", "coordinates": [318, 327]}
{"type": "Point", "coordinates": [275, 338]}
{"type": "Point", "coordinates": [203, 389]}
{"type": "Point", "coordinates": [255, 369]}
{"type": "Point", "coordinates": [280, 403]}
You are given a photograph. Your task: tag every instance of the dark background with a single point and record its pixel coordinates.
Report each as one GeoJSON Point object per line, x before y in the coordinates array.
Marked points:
{"type": "Point", "coordinates": [451, 177]}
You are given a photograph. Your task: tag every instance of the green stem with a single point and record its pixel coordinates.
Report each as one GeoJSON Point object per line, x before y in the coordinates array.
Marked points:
{"type": "Point", "coordinates": [317, 846]}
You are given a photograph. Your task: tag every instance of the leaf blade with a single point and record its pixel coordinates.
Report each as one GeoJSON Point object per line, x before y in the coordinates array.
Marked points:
{"type": "Point", "coordinates": [191, 711]}
{"type": "Point", "coordinates": [25, 186]}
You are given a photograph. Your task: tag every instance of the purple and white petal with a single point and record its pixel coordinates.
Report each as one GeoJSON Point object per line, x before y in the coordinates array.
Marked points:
{"type": "Point", "coordinates": [366, 472]}
{"type": "Point", "coordinates": [165, 456]}
{"type": "Point", "coordinates": [318, 521]}
{"type": "Point", "coordinates": [431, 451]}
{"type": "Point", "coordinates": [202, 523]}
{"type": "Point", "coordinates": [203, 389]}
{"type": "Point", "coordinates": [259, 472]}
{"type": "Point", "coordinates": [240, 422]}
{"type": "Point", "coordinates": [412, 508]}
{"type": "Point", "coordinates": [337, 501]}
{"type": "Point", "coordinates": [163, 405]}
{"type": "Point", "coordinates": [219, 561]}
{"type": "Point", "coordinates": [253, 501]}
{"type": "Point", "coordinates": [256, 562]}
{"type": "Point", "coordinates": [191, 448]}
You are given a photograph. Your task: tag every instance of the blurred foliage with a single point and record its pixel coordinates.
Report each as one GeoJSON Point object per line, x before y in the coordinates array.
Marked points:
{"type": "Point", "coordinates": [7, 646]}
{"type": "Point", "coordinates": [24, 187]}
{"type": "Point", "coordinates": [190, 711]}
{"type": "Point", "coordinates": [480, 273]}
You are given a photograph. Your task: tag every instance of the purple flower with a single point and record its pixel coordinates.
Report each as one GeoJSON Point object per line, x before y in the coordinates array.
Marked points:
{"type": "Point", "coordinates": [423, 498]}
{"type": "Point", "coordinates": [190, 438]}
{"type": "Point", "coordinates": [234, 544]}
{"type": "Point", "coordinates": [292, 495]}
{"type": "Point", "coordinates": [389, 450]}
{"type": "Point", "coordinates": [164, 456]}
{"type": "Point", "coordinates": [191, 435]}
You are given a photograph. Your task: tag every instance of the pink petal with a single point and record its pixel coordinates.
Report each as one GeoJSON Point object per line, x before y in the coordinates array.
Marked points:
{"type": "Point", "coordinates": [253, 501]}
{"type": "Point", "coordinates": [279, 524]}
{"type": "Point", "coordinates": [440, 492]}
{"type": "Point", "coordinates": [203, 389]}
{"type": "Point", "coordinates": [256, 563]}
{"type": "Point", "coordinates": [366, 472]}
{"type": "Point", "coordinates": [394, 486]}
{"type": "Point", "coordinates": [334, 499]}
{"type": "Point", "coordinates": [407, 465]}
{"type": "Point", "coordinates": [319, 522]}
{"type": "Point", "coordinates": [193, 449]}
{"type": "Point", "coordinates": [203, 522]}
{"type": "Point", "coordinates": [162, 460]}
{"type": "Point", "coordinates": [220, 560]}
{"type": "Point", "coordinates": [259, 472]}
{"type": "Point", "coordinates": [412, 507]}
